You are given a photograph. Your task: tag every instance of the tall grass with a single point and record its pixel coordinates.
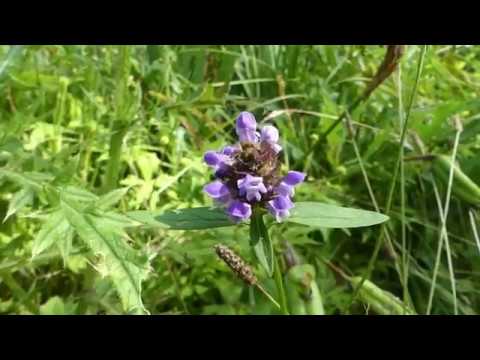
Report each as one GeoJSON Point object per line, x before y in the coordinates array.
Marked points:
{"type": "Point", "coordinates": [78, 122]}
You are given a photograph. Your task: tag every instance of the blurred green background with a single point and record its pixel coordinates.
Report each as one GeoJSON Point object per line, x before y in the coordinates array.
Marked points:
{"type": "Point", "coordinates": [88, 133]}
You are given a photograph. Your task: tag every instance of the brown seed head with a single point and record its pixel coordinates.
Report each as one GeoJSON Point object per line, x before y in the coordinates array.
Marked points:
{"type": "Point", "coordinates": [236, 263]}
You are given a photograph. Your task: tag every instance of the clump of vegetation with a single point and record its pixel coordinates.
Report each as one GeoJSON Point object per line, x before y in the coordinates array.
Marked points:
{"type": "Point", "coordinates": [102, 178]}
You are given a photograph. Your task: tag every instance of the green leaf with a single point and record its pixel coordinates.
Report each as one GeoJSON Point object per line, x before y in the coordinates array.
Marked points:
{"type": "Point", "coordinates": [183, 219]}
{"type": "Point", "coordinates": [330, 216]}
{"type": "Point", "coordinates": [126, 268]}
{"type": "Point", "coordinates": [261, 243]}
{"type": "Point", "coordinates": [78, 194]}
{"type": "Point", "coordinates": [54, 230]}
{"type": "Point", "coordinates": [56, 306]}
{"type": "Point", "coordinates": [19, 200]}
{"type": "Point", "coordinates": [111, 198]}
{"type": "Point", "coordinates": [34, 180]}
{"type": "Point", "coordinates": [115, 220]}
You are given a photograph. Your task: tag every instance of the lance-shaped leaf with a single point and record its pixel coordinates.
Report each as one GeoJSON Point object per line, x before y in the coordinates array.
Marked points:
{"type": "Point", "coordinates": [126, 268]}
{"type": "Point", "coordinates": [33, 180]}
{"type": "Point", "coordinates": [19, 200]}
{"type": "Point", "coordinates": [53, 231]}
{"type": "Point", "coordinates": [183, 219]}
{"type": "Point", "coordinates": [331, 216]}
{"type": "Point", "coordinates": [111, 198]}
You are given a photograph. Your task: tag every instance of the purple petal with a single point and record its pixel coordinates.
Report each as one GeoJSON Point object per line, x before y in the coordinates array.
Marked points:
{"type": "Point", "coordinates": [229, 150]}
{"type": "Point", "coordinates": [294, 178]}
{"type": "Point", "coordinates": [269, 133]}
{"type": "Point", "coordinates": [212, 158]}
{"type": "Point", "coordinates": [276, 148]}
{"type": "Point", "coordinates": [246, 121]}
{"type": "Point", "coordinates": [281, 203]}
{"type": "Point", "coordinates": [254, 196]}
{"type": "Point", "coordinates": [222, 170]}
{"type": "Point", "coordinates": [216, 190]}
{"type": "Point", "coordinates": [246, 127]}
{"type": "Point", "coordinates": [284, 189]}
{"type": "Point", "coordinates": [279, 207]}
{"type": "Point", "coordinates": [280, 215]}
{"type": "Point", "coordinates": [252, 186]}
{"type": "Point", "coordinates": [239, 210]}
{"type": "Point", "coordinates": [245, 135]}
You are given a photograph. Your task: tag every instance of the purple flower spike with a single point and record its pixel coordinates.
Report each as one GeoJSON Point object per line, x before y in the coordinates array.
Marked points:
{"type": "Point", "coordinates": [279, 207]}
{"type": "Point", "coordinates": [218, 191]}
{"type": "Point", "coordinates": [252, 187]}
{"type": "Point", "coordinates": [248, 173]}
{"type": "Point", "coordinates": [239, 210]}
{"type": "Point", "coordinates": [246, 127]}
{"type": "Point", "coordinates": [294, 178]}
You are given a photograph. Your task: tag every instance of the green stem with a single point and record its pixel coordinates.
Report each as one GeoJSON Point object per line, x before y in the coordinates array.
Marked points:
{"type": "Point", "coordinates": [280, 287]}
{"type": "Point", "coordinates": [114, 155]}
{"type": "Point", "coordinates": [120, 121]}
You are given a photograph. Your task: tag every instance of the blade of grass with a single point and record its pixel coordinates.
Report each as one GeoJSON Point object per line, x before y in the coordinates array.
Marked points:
{"type": "Point", "coordinates": [443, 231]}
{"type": "Point", "coordinates": [379, 242]}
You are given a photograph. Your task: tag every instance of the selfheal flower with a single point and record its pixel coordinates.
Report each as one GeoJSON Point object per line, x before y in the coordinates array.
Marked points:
{"type": "Point", "coordinates": [219, 161]}
{"type": "Point", "coordinates": [279, 207]}
{"type": "Point", "coordinates": [252, 187]}
{"type": "Point", "coordinates": [248, 173]}
{"type": "Point", "coordinates": [246, 127]}
{"type": "Point", "coordinates": [294, 178]}
{"type": "Point", "coordinates": [218, 191]}
{"type": "Point", "coordinates": [229, 150]}
{"type": "Point", "coordinates": [212, 158]}
{"type": "Point", "coordinates": [270, 135]}
{"type": "Point", "coordinates": [286, 186]}
{"type": "Point", "coordinates": [239, 210]}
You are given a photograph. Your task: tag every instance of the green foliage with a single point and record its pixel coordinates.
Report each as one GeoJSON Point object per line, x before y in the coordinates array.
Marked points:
{"type": "Point", "coordinates": [101, 177]}
{"type": "Point", "coordinates": [330, 216]}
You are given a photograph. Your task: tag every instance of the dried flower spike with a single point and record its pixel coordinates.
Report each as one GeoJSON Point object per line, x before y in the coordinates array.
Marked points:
{"type": "Point", "coordinates": [236, 263]}
{"type": "Point", "coordinates": [242, 269]}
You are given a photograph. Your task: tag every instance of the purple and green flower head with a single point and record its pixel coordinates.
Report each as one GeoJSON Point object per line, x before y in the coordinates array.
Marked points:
{"type": "Point", "coordinates": [247, 174]}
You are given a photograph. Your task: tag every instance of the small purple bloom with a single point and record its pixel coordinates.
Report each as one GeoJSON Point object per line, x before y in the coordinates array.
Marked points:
{"type": "Point", "coordinates": [229, 150]}
{"type": "Point", "coordinates": [212, 158]}
{"type": "Point", "coordinates": [252, 187]}
{"type": "Point", "coordinates": [279, 207]}
{"type": "Point", "coordinates": [218, 191]}
{"type": "Point", "coordinates": [239, 210]}
{"type": "Point", "coordinates": [220, 162]}
{"type": "Point", "coordinates": [222, 170]}
{"type": "Point", "coordinates": [286, 186]}
{"type": "Point", "coordinates": [284, 189]}
{"type": "Point", "coordinates": [246, 127]}
{"type": "Point", "coordinates": [294, 178]}
{"type": "Point", "coordinates": [269, 133]}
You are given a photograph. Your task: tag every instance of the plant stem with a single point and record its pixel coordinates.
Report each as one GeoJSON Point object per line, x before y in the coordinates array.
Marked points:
{"type": "Point", "coordinates": [120, 122]}
{"type": "Point", "coordinates": [269, 297]}
{"type": "Point", "coordinates": [280, 287]}
{"type": "Point", "coordinates": [114, 155]}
